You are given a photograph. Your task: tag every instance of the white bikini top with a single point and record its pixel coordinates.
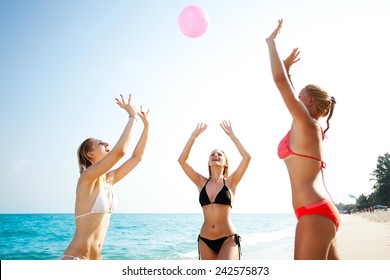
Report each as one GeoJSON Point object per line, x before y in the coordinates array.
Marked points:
{"type": "Point", "coordinates": [106, 201]}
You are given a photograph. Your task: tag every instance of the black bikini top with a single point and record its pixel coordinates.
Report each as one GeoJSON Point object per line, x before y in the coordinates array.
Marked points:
{"type": "Point", "coordinates": [224, 196]}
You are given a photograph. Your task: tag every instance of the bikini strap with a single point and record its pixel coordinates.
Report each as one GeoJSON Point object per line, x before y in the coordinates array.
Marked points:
{"type": "Point", "coordinates": [237, 240]}
{"type": "Point", "coordinates": [323, 164]}
{"type": "Point", "coordinates": [198, 247]}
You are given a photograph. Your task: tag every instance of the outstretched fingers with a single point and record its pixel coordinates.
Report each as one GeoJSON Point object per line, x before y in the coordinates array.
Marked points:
{"type": "Point", "coordinates": [226, 126]}
{"type": "Point", "coordinates": [142, 114]}
{"type": "Point", "coordinates": [292, 58]}
{"type": "Point", "coordinates": [122, 102]}
{"type": "Point", "coordinates": [126, 105]}
{"type": "Point", "coordinates": [200, 127]}
{"type": "Point", "coordinates": [276, 31]}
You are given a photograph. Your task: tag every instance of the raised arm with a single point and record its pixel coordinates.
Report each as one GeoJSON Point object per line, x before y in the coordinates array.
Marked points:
{"type": "Point", "coordinates": [280, 74]}
{"type": "Point", "coordinates": [183, 158]}
{"type": "Point", "coordinates": [103, 166]}
{"type": "Point", "coordinates": [120, 172]}
{"type": "Point", "coordinates": [236, 176]}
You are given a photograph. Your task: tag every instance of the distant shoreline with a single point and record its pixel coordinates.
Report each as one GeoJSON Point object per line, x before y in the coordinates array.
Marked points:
{"type": "Point", "coordinates": [378, 216]}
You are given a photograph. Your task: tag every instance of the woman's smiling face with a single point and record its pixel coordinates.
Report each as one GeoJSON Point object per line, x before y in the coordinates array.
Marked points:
{"type": "Point", "coordinates": [217, 157]}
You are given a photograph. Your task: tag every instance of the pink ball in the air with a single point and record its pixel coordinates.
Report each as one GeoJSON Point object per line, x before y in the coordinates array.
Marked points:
{"type": "Point", "coordinates": [193, 21]}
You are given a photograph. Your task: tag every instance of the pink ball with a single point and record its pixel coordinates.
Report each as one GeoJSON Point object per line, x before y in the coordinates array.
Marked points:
{"type": "Point", "coordinates": [193, 21]}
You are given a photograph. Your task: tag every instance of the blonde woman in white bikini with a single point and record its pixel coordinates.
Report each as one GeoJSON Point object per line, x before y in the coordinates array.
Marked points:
{"type": "Point", "coordinates": [95, 199]}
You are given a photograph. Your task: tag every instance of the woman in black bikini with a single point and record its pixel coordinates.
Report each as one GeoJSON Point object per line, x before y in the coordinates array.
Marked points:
{"type": "Point", "coordinates": [218, 239]}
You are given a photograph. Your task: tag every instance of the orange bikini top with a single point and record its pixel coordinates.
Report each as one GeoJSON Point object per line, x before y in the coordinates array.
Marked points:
{"type": "Point", "coordinates": [284, 149]}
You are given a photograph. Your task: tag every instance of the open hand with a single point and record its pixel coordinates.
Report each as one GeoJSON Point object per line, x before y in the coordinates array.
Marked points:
{"type": "Point", "coordinates": [199, 129]}
{"type": "Point", "coordinates": [291, 59]}
{"type": "Point", "coordinates": [273, 35]}
{"type": "Point", "coordinates": [143, 115]}
{"type": "Point", "coordinates": [227, 127]}
{"type": "Point", "coordinates": [126, 106]}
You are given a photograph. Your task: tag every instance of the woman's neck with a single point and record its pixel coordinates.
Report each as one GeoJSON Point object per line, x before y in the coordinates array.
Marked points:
{"type": "Point", "coordinates": [216, 177]}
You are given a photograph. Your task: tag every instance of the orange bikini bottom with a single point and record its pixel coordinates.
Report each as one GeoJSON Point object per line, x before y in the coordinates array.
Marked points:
{"type": "Point", "coordinates": [324, 207]}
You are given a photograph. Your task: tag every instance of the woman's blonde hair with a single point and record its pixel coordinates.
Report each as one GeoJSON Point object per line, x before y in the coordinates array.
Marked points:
{"type": "Point", "coordinates": [84, 148]}
{"type": "Point", "coordinates": [325, 102]}
{"type": "Point", "coordinates": [226, 169]}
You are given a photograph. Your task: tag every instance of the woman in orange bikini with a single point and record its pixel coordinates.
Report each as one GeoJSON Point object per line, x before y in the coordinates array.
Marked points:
{"type": "Point", "coordinates": [318, 218]}
{"type": "Point", "coordinates": [218, 239]}
{"type": "Point", "coordinates": [95, 200]}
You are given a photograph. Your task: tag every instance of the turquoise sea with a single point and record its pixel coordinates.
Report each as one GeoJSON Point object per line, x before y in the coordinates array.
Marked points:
{"type": "Point", "coordinates": [144, 236]}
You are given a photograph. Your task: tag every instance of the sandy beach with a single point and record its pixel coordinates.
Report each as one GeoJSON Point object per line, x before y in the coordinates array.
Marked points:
{"type": "Point", "coordinates": [365, 236]}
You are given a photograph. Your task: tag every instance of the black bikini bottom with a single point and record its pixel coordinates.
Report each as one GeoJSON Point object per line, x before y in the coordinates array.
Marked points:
{"type": "Point", "coordinates": [216, 244]}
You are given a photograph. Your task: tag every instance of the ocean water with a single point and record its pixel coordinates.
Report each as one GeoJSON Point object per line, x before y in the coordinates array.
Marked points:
{"type": "Point", "coordinates": [144, 236]}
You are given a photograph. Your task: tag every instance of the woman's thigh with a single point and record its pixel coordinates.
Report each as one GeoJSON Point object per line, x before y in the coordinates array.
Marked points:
{"type": "Point", "coordinates": [205, 252]}
{"type": "Point", "coordinates": [313, 237]}
{"type": "Point", "coordinates": [229, 250]}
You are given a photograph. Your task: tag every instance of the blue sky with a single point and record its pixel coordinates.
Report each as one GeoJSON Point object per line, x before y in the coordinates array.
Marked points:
{"type": "Point", "coordinates": [62, 63]}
